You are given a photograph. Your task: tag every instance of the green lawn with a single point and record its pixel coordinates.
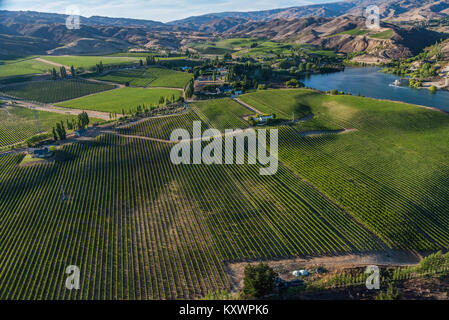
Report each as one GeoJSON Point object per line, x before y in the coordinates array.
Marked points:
{"type": "Point", "coordinates": [53, 91]}
{"type": "Point", "coordinates": [151, 77]}
{"type": "Point", "coordinates": [120, 99]}
{"type": "Point", "coordinates": [88, 62]}
{"type": "Point", "coordinates": [20, 67]}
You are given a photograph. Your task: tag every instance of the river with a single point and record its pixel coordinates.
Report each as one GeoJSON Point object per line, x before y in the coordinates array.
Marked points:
{"type": "Point", "coordinates": [370, 82]}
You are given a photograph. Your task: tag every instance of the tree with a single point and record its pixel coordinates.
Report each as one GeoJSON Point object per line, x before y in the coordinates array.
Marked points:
{"type": "Point", "coordinates": [259, 280]}
{"type": "Point", "coordinates": [60, 131]}
{"type": "Point", "coordinates": [214, 77]}
{"type": "Point", "coordinates": [72, 71]}
{"type": "Point", "coordinates": [190, 89]}
{"type": "Point", "coordinates": [433, 89]}
{"type": "Point", "coordinates": [54, 74]}
{"type": "Point", "coordinates": [55, 136]}
{"type": "Point", "coordinates": [69, 124]}
{"type": "Point", "coordinates": [151, 60]}
{"type": "Point", "coordinates": [141, 62]}
{"type": "Point", "coordinates": [100, 67]}
{"type": "Point", "coordinates": [63, 72]}
{"type": "Point", "coordinates": [292, 83]}
{"type": "Point", "coordinates": [83, 120]}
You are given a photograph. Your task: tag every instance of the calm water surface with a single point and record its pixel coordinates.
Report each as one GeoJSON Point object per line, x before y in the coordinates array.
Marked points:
{"type": "Point", "coordinates": [372, 83]}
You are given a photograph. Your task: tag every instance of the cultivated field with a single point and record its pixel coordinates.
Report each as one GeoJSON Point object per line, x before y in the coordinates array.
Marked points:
{"type": "Point", "coordinates": [18, 124]}
{"type": "Point", "coordinates": [150, 77]}
{"type": "Point", "coordinates": [54, 90]}
{"type": "Point", "coordinates": [88, 62]}
{"type": "Point", "coordinates": [161, 128]}
{"type": "Point", "coordinates": [387, 173]}
{"type": "Point", "coordinates": [140, 227]}
{"type": "Point", "coordinates": [222, 114]}
{"type": "Point", "coordinates": [121, 99]}
{"type": "Point", "coordinates": [20, 67]}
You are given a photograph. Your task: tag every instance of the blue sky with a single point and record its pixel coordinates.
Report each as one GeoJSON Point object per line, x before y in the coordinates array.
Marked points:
{"type": "Point", "coordinates": [158, 10]}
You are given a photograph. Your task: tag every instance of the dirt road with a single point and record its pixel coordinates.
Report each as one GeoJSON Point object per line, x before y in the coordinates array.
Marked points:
{"type": "Point", "coordinates": [284, 267]}
{"type": "Point", "coordinates": [52, 63]}
{"type": "Point", "coordinates": [247, 106]}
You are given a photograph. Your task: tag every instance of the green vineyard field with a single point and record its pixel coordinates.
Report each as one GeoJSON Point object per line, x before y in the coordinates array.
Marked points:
{"type": "Point", "coordinates": [18, 124]}
{"type": "Point", "coordinates": [121, 99]}
{"type": "Point", "coordinates": [150, 77]}
{"type": "Point", "coordinates": [140, 227]}
{"type": "Point", "coordinates": [54, 90]}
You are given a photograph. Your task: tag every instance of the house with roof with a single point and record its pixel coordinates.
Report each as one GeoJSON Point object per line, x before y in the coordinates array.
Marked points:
{"type": "Point", "coordinates": [263, 119]}
{"type": "Point", "coordinates": [40, 153]}
{"type": "Point", "coordinates": [80, 133]}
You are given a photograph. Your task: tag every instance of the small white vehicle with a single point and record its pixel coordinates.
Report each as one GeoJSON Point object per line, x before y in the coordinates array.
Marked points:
{"type": "Point", "coordinates": [299, 273]}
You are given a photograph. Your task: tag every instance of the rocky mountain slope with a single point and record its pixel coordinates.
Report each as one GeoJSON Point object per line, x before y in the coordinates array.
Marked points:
{"type": "Point", "coordinates": [339, 26]}
{"type": "Point", "coordinates": [344, 34]}
{"type": "Point", "coordinates": [393, 10]}
{"type": "Point", "coordinates": [39, 33]}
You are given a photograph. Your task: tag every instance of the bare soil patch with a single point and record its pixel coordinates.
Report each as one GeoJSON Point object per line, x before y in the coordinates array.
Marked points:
{"type": "Point", "coordinates": [285, 267]}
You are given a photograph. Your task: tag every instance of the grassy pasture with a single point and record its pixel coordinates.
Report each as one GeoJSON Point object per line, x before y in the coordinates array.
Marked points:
{"type": "Point", "coordinates": [88, 62]}
{"type": "Point", "coordinates": [384, 35]}
{"type": "Point", "coordinates": [270, 49]}
{"type": "Point", "coordinates": [355, 32]}
{"type": "Point", "coordinates": [120, 99]}
{"type": "Point", "coordinates": [21, 67]}
{"type": "Point", "coordinates": [54, 90]}
{"type": "Point", "coordinates": [150, 77]}
{"type": "Point", "coordinates": [223, 46]}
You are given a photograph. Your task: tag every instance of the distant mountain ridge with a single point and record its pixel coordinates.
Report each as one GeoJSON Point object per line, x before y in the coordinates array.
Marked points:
{"type": "Point", "coordinates": [317, 24]}
{"type": "Point", "coordinates": [400, 10]}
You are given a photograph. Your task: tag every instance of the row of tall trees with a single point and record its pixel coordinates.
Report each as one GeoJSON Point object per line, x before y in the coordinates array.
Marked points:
{"type": "Point", "coordinates": [62, 73]}
{"type": "Point", "coordinates": [190, 89]}
{"type": "Point", "coordinates": [60, 132]}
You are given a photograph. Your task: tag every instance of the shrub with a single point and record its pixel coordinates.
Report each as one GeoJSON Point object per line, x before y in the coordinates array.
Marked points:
{"type": "Point", "coordinates": [259, 280]}
{"type": "Point", "coordinates": [433, 89]}
{"type": "Point", "coordinates": [390, 294]}
{"type": "Point", "coordinates": [293, 83]}
{"type": "Point", "coordinates": [334, 92]}
{"type": "Point", "coordinates": [35, 140]}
